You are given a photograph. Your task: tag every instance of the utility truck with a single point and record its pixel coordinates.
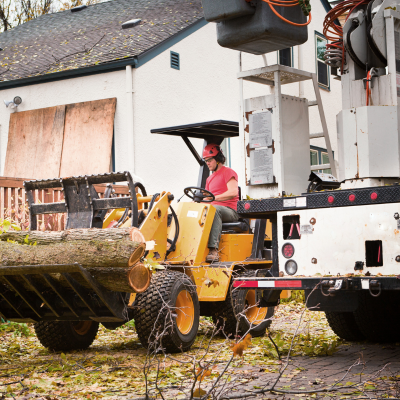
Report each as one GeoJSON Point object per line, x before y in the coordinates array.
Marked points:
{"type": "Point", "coordinates": [335, 236]}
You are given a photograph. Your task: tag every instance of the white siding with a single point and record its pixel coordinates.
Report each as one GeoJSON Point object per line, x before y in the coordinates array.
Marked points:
{"type": "Point", "coordinates": [205, 88]}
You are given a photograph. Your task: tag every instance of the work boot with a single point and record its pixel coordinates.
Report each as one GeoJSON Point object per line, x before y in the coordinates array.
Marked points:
{"type": "Point", "coordinates": [212, 256]}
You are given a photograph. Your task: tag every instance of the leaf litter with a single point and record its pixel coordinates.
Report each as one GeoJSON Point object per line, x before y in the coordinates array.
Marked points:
{"type": "Point", "coordinates": [113, 367]}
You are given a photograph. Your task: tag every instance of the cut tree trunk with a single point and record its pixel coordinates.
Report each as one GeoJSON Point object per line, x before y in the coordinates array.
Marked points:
{"type": "Point", "coordinates": [87, 247]}
{"type": "Point", "coordinates": [110, 255]}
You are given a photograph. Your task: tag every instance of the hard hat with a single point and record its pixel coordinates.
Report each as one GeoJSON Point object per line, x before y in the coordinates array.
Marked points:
{"type": "Point", "coordinates": [211, 150]}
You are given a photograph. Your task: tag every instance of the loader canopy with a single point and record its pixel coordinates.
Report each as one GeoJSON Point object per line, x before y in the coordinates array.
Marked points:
{"type": "Point", "coordinates": [211, 132]}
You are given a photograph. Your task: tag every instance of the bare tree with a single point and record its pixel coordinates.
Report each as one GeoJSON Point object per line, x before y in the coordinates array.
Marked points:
{"type": "Point", "coordinates": [17, 12]}
{"type": "Point", "coordinates": [6, 14]}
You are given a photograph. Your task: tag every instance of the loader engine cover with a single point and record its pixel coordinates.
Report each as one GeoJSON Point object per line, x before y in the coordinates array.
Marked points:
{"type": "Point", "coordinates": [263, 32]}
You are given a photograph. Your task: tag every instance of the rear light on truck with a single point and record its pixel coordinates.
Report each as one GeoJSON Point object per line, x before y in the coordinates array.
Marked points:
{"type": "Point", "coordinates": [287, 250]}
{"type": "Point", "coordinates": [374, 196]}
{"type": "Point", "coordinates": [352, 197]}
{"type": "Point", "coordinates": [291, 267]}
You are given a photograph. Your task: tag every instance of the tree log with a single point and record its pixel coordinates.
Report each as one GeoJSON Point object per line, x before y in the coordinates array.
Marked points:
{"type": "Point", "coordinates": [88, 247]}
{"type": "Point", "coordinates": [135, 279]}
{"type": "Point", "coordinates": [109, 255]}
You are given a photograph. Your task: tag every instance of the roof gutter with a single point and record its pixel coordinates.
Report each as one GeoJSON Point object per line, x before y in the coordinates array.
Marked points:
{"type": "Point", "coordinates": [134, 62]}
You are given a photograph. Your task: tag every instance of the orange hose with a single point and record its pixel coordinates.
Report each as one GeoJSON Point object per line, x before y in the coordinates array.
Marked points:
{"type": "Point", "coordinates": [271, 4]}
{"type": "Point", "coordinates": [334, 32]}
{"type": "Point", "coordinates": [368, 89]}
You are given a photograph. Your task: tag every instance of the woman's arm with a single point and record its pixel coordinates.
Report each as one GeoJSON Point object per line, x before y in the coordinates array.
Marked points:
{"type": "Point", "coordinates": [231, 193]}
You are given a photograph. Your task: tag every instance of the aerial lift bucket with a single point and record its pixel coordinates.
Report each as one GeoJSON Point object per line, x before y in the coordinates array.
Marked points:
{"type": "Point", "coordinates": [257, 27]}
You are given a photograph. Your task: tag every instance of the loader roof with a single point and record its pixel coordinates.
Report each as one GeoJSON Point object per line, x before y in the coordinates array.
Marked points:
{"type": "Point", "coordinates": [212, 131]}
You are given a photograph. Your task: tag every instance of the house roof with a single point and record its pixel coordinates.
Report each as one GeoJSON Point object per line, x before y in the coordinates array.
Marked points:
{"type": "Point", "coordinates": [91, 37]}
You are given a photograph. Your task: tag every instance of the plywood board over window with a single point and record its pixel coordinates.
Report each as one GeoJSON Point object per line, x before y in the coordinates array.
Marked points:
{"type": "Point", "coordinates": [35, 141]}
{"type": "Point", "coordinates": [88, 137]}
{"type": "Point", "coordinates": [73, 139]}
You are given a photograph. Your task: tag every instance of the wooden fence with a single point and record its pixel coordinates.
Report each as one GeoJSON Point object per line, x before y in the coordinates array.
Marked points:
{"type": "Point", "coordinates": [14, 206]}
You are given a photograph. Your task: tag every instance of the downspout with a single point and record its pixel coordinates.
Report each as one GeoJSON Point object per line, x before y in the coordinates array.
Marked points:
{"type": "Point", "coordinates": [129, 121]}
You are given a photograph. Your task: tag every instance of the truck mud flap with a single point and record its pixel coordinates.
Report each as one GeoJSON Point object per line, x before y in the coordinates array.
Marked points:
{"type": "Point", "coordinates": [64, 292]}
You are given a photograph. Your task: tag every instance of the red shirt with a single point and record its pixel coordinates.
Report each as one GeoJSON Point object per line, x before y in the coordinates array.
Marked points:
{"type": "Point", "coordinates": [217, 184]}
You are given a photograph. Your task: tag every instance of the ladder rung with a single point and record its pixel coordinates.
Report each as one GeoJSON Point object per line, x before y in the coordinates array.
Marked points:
{"type": "Point", "coordinates": [320, 166]}
{"type": "Point", "coordinates": [317, 135]}
{"type": "Point", "coordinates": [312, 103]}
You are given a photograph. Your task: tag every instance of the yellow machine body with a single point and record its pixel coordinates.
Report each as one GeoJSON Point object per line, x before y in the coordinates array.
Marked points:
{"type": "Point", "coordinates": [195, 221]}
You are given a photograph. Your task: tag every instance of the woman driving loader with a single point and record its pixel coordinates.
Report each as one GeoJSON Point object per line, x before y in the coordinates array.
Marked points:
{"type": "Point", "coordinates": [223, 184]}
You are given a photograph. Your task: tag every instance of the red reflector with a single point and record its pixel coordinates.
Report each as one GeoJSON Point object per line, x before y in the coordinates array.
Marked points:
{"type": "Point", "coordinates": [331, 199]}
{"type": "Point", "coordinates": [352, 197]}
{"type": "Point", "coordinates": [287, 283]}
{"type": "Point", "coordinates": [288, 250]}
{"type": "Point", "coordinates": [245, 284]}
{"type": "Point", "coordinates": [374, 196]}
{"type": "Point", "coordinates": [247, 206]}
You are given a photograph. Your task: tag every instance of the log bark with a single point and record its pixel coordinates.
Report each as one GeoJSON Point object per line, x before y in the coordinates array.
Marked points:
{"type": "Point", "coordinates": [88, 247]}
{"type": "Point", "coordinates": [109, 255]}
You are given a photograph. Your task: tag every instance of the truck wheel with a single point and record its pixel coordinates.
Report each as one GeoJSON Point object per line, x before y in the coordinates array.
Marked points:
{"type": "Point", "coordinates": [66, 335]}
{"type": "Point", "coordinates": [344, 325]}
{"type": "Point", "coordinates": [169, 305]}
{"type": "Point", "coordinates": [377, 316]}
{"type": "Point", "coordinates": [231, 318]}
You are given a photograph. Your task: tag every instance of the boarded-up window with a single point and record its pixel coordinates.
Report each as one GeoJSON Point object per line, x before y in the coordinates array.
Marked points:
{"type": "Point", "coordinates": [74, 139]}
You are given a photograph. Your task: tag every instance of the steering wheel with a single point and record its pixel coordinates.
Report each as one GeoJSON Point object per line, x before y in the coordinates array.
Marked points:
{"type": "Point", "coordinates": [198, 196]}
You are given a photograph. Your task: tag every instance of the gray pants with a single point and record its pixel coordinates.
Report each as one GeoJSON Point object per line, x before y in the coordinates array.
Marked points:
{"type": "Point", "coordinates": [223, 214]}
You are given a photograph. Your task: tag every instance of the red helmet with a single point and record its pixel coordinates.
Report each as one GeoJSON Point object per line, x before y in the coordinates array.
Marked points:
{"type": "Point", "coordinates": [211, 150]}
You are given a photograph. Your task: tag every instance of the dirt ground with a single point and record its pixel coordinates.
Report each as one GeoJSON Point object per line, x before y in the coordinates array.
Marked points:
{"type": "Point", "coordinates": [116, 366]}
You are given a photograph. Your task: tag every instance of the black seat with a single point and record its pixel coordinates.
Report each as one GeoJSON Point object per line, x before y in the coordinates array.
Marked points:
{"type": "Point", "coordinates": [240, 226]}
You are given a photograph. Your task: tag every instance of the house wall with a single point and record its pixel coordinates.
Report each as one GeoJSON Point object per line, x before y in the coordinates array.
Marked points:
{"type": "Point", "coordinates": [205, 88]}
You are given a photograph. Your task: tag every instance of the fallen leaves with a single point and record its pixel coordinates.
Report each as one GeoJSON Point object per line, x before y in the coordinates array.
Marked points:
{"type": "Point", "coordinates": [211, 282]}
{"type": "Point", "coordinates": [240, 347]}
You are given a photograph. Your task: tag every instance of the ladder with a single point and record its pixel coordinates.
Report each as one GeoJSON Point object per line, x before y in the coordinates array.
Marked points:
{"type": "Point", "coordinates": [277, 75]}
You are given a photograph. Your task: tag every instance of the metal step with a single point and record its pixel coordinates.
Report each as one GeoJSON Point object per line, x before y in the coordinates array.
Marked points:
{"type": "Point", "coordinates": [312, 103]}
{"type": "Point", "coordinates": [320, 166]}
{"type": "Point", "coordinates": [317, 135]}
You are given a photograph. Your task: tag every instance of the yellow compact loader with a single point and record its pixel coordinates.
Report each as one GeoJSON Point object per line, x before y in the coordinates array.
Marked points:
{"type": "Point", "coordinates": [176, 237]}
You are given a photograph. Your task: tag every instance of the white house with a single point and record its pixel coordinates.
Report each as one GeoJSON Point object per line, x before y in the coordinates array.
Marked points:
{"type": "Point", "coordinates": [165, 70]}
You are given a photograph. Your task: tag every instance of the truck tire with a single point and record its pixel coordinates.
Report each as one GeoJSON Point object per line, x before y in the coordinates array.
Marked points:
{"type": "Point", "coordinates": [229, 317]}
{"type": "Point", "coordinates": [377, 317]}
{"type": "Point", "coordinates": [169, 305]}
{"type": "Point", "coordinates": [344, 325]}
{"type": "Point", "coordinates": [66, 335]}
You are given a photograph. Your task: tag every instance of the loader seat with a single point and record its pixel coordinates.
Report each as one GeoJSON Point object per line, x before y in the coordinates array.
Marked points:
{"type": "Point", "coordinates": [240, 226]}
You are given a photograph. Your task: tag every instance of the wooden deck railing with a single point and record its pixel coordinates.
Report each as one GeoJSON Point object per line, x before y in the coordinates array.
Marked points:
{"type": "Point", "coordinates": [13, 202]}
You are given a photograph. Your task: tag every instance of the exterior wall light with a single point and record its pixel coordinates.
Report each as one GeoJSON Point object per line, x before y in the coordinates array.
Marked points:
{"type": "Point", "coordinates": [13, 103]}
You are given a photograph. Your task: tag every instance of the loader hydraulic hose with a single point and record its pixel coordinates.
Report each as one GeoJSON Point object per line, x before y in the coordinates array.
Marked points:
{"type": "Point", "coordinates": [153, 200]}
{"type": "Point", "coordinates": [143, 190]}
{"type": "Point", "coordinates": [125, 214]}
{"type": "Point", "coordinates": [173, 242]}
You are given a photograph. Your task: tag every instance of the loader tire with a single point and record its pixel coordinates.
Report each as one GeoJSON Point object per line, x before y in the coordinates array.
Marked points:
{"type": "Point", "coordinates": [344, 325]}
{"type": "Point", "coordinates": [66, 335]}
{"type": "Point", "coordinates": [377, 317]}
{"type": "Point", "coordinates": [229, 317]}
{"type": "Point", "coordinates": [167, 314]}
